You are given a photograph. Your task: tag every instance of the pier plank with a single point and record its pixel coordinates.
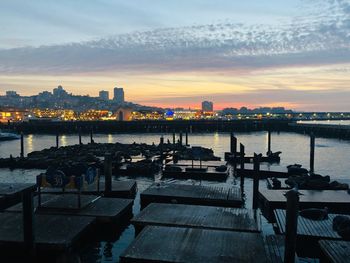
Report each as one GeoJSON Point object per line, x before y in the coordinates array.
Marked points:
{"type": "Point", "coordinates": [210, 174]}
{"type": "Point", "coordinates": [274, 245]}
{"type": "Point", "coordinates": [335, 251]}
{"type": "Point", "coordinates": [174, 244]}
{"type": "Point", "coordinates": [337, 201]}
{"type": "Point", "coordinates": [192, 194]}
{"type": "Point", "coordinates": [52, 232]}
{"type": "Point", "coordinates": [207, 217]}
{"type": "Point", "coordinates": [11, 194]}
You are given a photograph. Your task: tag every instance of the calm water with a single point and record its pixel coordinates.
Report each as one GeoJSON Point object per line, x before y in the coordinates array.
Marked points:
{"type": "Point", "coordinates": [331, 157]}
{"type": "Point", "coordinates": [329, 122]}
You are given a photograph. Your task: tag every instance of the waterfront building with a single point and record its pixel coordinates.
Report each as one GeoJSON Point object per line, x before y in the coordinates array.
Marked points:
{"type": "Point", "coordinates": [207, 106]}
{"type": "Point", "coordinates": [104, 95]}
{"type": "Point", "coordinates": [119, 95]}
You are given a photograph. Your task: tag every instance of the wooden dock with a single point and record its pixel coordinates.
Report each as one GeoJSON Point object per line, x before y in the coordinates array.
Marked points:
{"type": "Point", "coordinates": [53, 233]}
{"type": "Point", "coordinates": [337, 201]}
{"type": "Point", "coordinates": [274, 245]}
{"type": "Point", "coordinates": [11, 194]}
{"type": "Point", "coordinates": [120, 189]}
{"type": "Point", "coordinates": [104, 210]}
{"type": "Point", "coordinates": [335, 251]}
{"type": "Point", "coordinates": [192, 194]}
{"type": "Point", "coordinates": [207, 173]}
{"type": "Point", "coordinates": [177, 244]}
{"type": "Point", "coordinates": [309, 232]}
{"type": "Point", "coordinates": [263, 174]}
{"type": "Point", "coordinates": [205, 217]}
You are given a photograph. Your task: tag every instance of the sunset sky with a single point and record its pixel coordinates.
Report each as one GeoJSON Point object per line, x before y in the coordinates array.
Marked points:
{"type": "Point", "coordinates": [177, 53]}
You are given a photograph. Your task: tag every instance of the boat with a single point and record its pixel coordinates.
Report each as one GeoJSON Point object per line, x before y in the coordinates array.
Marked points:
{"type": "Point", "coordinates": [8, 136]}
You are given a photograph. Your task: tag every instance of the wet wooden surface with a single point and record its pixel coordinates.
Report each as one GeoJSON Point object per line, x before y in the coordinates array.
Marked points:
{"type": "Point", "coordinates": [52, 232]}
{"type": "Point", "coordinates": [274, 245]}
{"type": "Point", "coordinates": [335, 251]}
{"type": "Point", "coordinates": [207, 217]}
{"type": "Point", "coordinates": [11, 194]}
{"type": "Point", "coordinates": [174, 244]}
{"type": "Point", "coordinates": [192, 194]}
{"type": "Point", "coordinates": [100, 208]}
{"type": "Point", "coordinates": [209, 175]}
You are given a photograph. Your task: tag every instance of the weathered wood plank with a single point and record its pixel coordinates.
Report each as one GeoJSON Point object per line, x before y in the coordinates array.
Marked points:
{"type": "Point", "coordinates": [209, 175]}
{"type": "Point", "coordinates": [335, 251]}
{"type": "Point", "coordinates": [173, 244]}
{"type": "Point", "coordinates": [52, 232]}
{"type": "Point", "coordinates": [191, 194]}
{"type": "Point", "coordinates": [274, 245]}
{"type": "Point", "coordinates": [207, 217]}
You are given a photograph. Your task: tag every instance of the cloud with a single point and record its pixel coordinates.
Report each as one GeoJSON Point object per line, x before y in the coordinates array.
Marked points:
{"type": "Point", "coordinates": [308, 40]}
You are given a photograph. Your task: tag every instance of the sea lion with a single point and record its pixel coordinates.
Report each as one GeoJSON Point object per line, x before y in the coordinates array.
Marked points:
{"type": "Point", "coordinates": [315, 213]}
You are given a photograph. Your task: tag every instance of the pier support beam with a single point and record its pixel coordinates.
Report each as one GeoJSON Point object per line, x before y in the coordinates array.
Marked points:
{"type": "Point", "coordinates": [91, 135]}
{"type": "Point", "coordinates": [233, 144]}
{"type": "Point", "coordinates": [180, 140]}
{"type": "Point", "coordinates": [57, 140]}
{"type": "Point", "coordinates": [186, 137]}
{"type": "Point", "coordinates": [241, 149]}
{"type": "Point", "coordinates": [22, 145]}
{"type": "Point", "coordinates": [312, 153]}
{"type": "Point", "coordinates": [108, 173]}
{"type": "Point", "coordinates": [269, 142]}
{"type": "Point", "coordinates": [79, 134]}
{"type": "Point", "coordinates": [291, 225]}
{"type": "Point", "coordinates": [256, 181]}
{"type": "Point", "coordinates": [28, 221]}
{"type": "Point", "coordinates": [161, 149]}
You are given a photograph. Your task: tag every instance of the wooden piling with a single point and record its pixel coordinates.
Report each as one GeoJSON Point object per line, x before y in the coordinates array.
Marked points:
{"type": "Point", "coordinates": [161, 148]}
{"type": "Point", "coordinates": [186, 138]}
{"type": "Point", "coordinates": [22, 145]}
{"type": "Point", "coordinates": [233, 144]}
{"type": "Point", "coordinates": [79, 134]}
{"type": "Point", "coordinates": [91, 135]}
{"type": "Point", "coordinates": [256, 181]}
{"type": "Point", "coordinates": [312, 152]}
{"type": "Point", "coordinates": [57, 140]}
{"type": "Point", "coordinates": [28, 221]}
{"type": "Point", "coordinates": [180, 139]}
{"type": "Point", "coordinates": [269, 142]}
{"type": "Point", "coordinates": [291, 225]}
{"type": "Point", "coordinates": [241, 149]}
{"type": "Point", "coordinates": [108, 173]}
{"type": "Point", "coordinates": [174, 138]}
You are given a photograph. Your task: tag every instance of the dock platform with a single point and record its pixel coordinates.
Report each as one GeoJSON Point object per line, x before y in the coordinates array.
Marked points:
{"type": "Point", "coordinates": [204, 217]}
{"type": "Point", "coordinates": [309, 232]}
{"type": "Point", "coordinates": [263, 174]}
{"type": "Point", "coordinates": [207, 173]}
{"type": "Point", "coordinates": [177, 244]}
{"type": "Point", "coordinates": [53, 233]}
{"type": "Point", "coordinates": [274, 245]}
{"type": "Point", "coordinates": [335, 251]}
{"type": "Point", "coordinates": [11, 194]}
{"type": "Point", "coordinates": [337, 201]}
{"type": "Point", "coordinates": [104, 210]}
{"type": "Point", "coordinates": [192, 194]}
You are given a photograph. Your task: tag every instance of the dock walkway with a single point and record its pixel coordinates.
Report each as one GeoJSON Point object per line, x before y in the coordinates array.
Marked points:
{"type": "Point", "coordinates": [177, 244]}
{"type": "Point", "coordinates": [192, 194]}
{"type": "Point", "coordinates": [335, 251]}
{"type": "Point", "coordinates": [194, 216]}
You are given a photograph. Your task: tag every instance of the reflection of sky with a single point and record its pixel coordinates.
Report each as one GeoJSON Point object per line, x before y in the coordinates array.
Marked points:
{"type": "Point", "coordinates": [255, 53]}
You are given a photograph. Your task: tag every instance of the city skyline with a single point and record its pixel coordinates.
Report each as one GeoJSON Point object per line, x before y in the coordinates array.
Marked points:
{"type": "Point", "coordinates": [294, 54]}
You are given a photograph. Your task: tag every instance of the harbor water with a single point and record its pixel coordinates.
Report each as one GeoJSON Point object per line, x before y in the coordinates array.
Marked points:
{"type": "Point", "coordinates": [331, 158]}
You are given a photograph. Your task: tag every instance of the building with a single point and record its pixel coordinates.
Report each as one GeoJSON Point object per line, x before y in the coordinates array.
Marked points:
{"type": "Point", "coordinates": [59, 92]}
{"type": "Point", "coordinates": [207, 106]}
{"type": "Point", "coordinates": [104, 95]}
{"type": "Point", "coordinates": [11, 93]}
{"type": "Point", "coordinates": [119, 95]}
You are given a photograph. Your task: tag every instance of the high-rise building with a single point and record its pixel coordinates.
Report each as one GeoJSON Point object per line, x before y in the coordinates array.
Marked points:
{"type": "Point", "coordinates": [118, 95]}
{"type": "Point", "coordinates": [104, 95]}
{"type": "Point", "coordinates": [207, 106]}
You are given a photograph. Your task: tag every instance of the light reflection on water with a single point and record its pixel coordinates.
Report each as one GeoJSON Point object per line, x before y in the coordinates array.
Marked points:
{"type": "Point", "coordinates": [331, 157]}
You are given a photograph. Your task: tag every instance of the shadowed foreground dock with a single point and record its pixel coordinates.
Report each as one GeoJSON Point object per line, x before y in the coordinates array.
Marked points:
{"type": "Point", "coordinates": [335, 251]}
{"type": "Point", "coordinates": [175, 244]}
{"type": "Point", "coordinates": [192, 194]}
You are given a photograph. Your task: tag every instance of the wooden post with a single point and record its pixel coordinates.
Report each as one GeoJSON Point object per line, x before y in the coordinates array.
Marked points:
{"type": "Point", "coordinates": [79, 134]}
{"type": "Point", "coordinates": [291, 225]}
{"type": "Point", "coordinates": [174, 138]}
{"type": "Point", "coordinates": [233, 144]}
{"type": "Point", "coordinates": [28, 220]}
{"type": "Point", "coordinates": [181, 138]}
{"type": "Point", "coordinates": [256, 181]}
{"type": "Point", "coordinates": [57, 138]}
{"type": "Point", "coordinates": [241, 149]}
{"type": "Point", "coordinates": [161, 148]}
{"type": "Point", "coordinates": [186, 138]}
{"type": "Point", "coordinates": [22, 145]}
{"type": "Point", "coordinates": [312, 152]}
{"type": "Point", "coordinates": [108, 173]}
{"type": "Point", "coordinates": [91, 135]}
{"type": "Point", "coordinates": [269, 142]}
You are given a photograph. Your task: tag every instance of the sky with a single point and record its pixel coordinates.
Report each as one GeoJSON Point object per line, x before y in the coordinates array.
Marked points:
{"type": "Point", "coordinates": [166, 53]}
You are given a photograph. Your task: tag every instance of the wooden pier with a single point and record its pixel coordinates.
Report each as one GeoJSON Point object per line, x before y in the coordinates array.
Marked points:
{"type": "Point", "coordinates": [309, 232]}
{"type": "Point", "coordinates": [192, 194]}
{"type": "Point", "coordinates": [196, 172]}
{"type": "Point", "coordinates": [195, 216]}
{"type": "Point", "coordinates": [334, 251]}
{"type": "Point", "coordinates": [263, 174]}
{"type": "Point", "coordinates": [326, 130]}
{"type": "Point", "coordinates": [53, 233]}
{"type": "Point", "coordinates": [274, 245]}
{"type": "Point", "coordinates": [177, 244]}
{"type": "Point", "coordinates": [337, 201]}
{"type": "Point", "coordinates": [104, 210]}
{"type": "Point", "coordinates": [11, 194]}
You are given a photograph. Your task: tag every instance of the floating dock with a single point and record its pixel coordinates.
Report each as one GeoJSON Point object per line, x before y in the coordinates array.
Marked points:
{"type": "Point", "coordinates": [177, 244]}
{"type": "Point", "coordinates": [196, 172]}
{"type": "Point", "coordinates": [104, 210]}
{"type": "Point", "coordinates": [11, 194]}
{"type": "Point", "coordinates": [309, 232]}
{"type": "Point", "coordinates": [192, 194]}
{"type": "Point", "coordinates": [263, 174]}
{"type": "Point", "coordinates": [195, 216]}
{"type": "Point", "coordinates": [337, 201]}
{"type": "Point", "coordinates": [335, 251]}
